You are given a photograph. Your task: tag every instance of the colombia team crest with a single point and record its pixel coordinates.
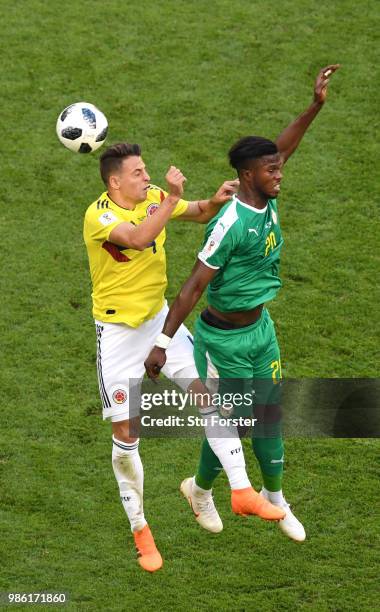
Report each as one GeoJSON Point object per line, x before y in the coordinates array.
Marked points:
{"type": "Point", "coordinates": [151, 209]}
{"type": "Point", "coordinates": [119, 396]}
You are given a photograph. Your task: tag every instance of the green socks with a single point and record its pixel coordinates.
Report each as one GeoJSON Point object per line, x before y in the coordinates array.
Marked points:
{"type": "Point", "coordinates": [209, 467]}
{"type": "Point", "coordinates": [270, 455]}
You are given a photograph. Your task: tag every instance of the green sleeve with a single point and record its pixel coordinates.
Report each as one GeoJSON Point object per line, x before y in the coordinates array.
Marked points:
{"type": "Point", "coordinates": [221, 238]}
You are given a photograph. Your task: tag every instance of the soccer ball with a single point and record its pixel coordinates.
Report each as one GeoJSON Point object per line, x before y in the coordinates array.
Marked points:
{"type": "Point", "coordinates": [82, 127]}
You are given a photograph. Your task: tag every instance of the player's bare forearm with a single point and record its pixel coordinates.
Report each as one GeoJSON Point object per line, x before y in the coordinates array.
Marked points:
{"type": "Point", "coordinates": [183, 304]}
{"type": "Point", "coordinates": [178, 312]}
{"type": "Point", "coordinates": [138, 237]}
{"type": "Point", "coordinates": [188, 297]}
{"type": "Point", "coordinates": [207, 210]}
{"type": "Point", "coordinates": [150, 231]}
{"type": "Point", "coordinates": [202, 211]}
{"type": "Point", "coordinates": [289, 139]}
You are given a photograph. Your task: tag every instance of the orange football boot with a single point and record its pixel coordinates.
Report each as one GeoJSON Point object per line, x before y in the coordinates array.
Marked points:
{"type": "Point", "coordinates": [248, 501]}
{"type": "Point", "coordinates": [147, 554]}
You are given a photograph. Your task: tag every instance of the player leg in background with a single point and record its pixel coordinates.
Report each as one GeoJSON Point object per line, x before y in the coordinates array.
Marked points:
{"type": "Point", "coordinates": [217, 356]}
{"type": "Point", "coordinates": [180, 368]}
{"type": "Point", "coordinates": [119, 371]}
{"type": "Point", "coordinates": [267, 442]}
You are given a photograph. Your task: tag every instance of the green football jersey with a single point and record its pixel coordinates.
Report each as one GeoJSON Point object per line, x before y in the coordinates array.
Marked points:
{"type": "Point", "coordinates": [244, 244]}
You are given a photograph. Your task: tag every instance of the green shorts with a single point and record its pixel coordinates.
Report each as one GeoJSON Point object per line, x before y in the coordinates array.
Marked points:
{"type": "Point", "coordinates": [240, 362]}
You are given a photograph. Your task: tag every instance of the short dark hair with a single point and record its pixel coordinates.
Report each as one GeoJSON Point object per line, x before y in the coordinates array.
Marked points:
{"type": "Point", "coordinates": [112, 158]}
{"type": "Point", "coordinates": [249, 148]}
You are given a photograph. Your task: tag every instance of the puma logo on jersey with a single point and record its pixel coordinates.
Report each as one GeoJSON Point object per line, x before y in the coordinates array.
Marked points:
{"type": "Point", "coordinates": [253, 229]}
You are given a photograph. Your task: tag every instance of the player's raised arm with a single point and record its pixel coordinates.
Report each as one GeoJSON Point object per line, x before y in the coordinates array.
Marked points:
{"type": "Point", "coordinates": [289, 139]}
{"type": "Point", "coordinates": [183, 304]}
{"type": "Point", "coordinates": [140, 236]}
{"type": "Point", "coordinates": [202, 211]}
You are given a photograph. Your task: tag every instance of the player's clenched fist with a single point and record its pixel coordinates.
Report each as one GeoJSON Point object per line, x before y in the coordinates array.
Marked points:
{"type": "Point", "coordinates": [175, 180]}
{"type": "Point", "coordinates": [155, 362]}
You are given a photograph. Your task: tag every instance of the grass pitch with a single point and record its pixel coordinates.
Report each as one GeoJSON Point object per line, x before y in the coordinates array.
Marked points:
{"type": "Point", "coordinates": [184, 79]}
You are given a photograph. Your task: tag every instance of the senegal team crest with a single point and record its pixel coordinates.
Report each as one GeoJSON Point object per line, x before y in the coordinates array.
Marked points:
{"type": "Point", "coordinates": [151, 209]}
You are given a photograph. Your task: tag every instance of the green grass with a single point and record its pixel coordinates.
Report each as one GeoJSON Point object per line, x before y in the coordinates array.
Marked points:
{"type": "Point", "coordinates": [68, 531]}
{"type": "Point", "coordinates": [184, 79]}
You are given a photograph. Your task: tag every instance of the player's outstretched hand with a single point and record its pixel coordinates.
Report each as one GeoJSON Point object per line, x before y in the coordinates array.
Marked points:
{"type": "Point", "coordinates": [225, 192]}
{"type": "Point", "coordinates": [322, 81]}
{"type": "Point", "coordinates": [155, 362]}
{"type": "Point", "coordinates": [175, 181]}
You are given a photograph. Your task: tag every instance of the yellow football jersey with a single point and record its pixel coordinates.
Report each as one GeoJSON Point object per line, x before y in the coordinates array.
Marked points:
{"type": "Point", "coordinates": [128, 285]}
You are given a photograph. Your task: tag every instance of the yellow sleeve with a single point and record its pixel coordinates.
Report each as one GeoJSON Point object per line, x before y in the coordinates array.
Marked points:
{"type": "Point", "coordinates": [98, 224]}
{"type": "Point", "coordinates": [180, 209]}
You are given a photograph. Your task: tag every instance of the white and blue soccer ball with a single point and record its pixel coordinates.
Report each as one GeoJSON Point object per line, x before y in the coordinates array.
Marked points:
{"type": "Point", "coordinates": [82, 127]}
